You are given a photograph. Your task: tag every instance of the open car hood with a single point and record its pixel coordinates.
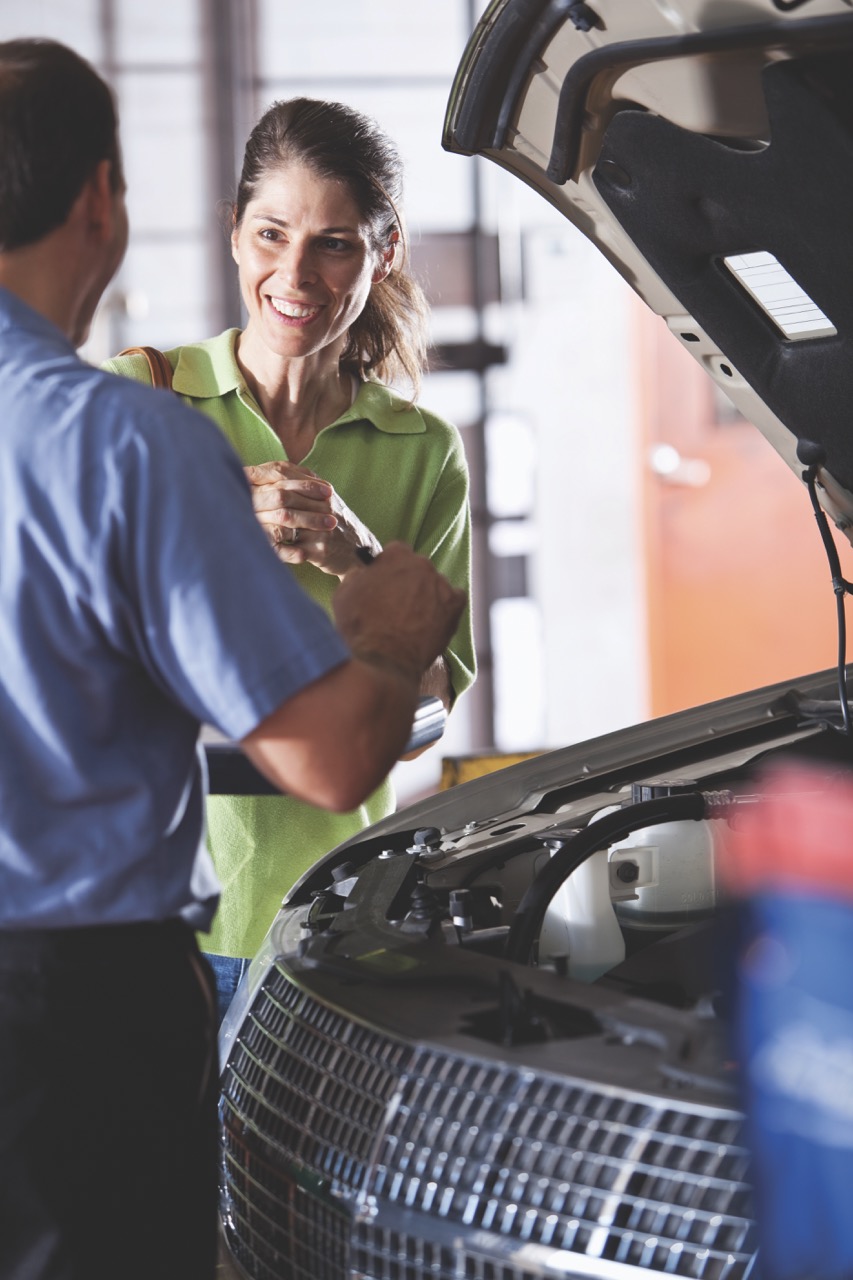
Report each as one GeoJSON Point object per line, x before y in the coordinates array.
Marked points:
{"type": "Point", "coordinates": [707, 150]}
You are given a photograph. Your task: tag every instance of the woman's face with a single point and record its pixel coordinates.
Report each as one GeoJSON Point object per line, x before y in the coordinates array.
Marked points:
{"type": "Point", "coordinates": [306, 262]}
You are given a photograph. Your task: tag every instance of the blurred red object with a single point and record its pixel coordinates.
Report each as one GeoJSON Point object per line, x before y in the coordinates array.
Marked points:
{"type": "Point", "coordinates": [797, 836]}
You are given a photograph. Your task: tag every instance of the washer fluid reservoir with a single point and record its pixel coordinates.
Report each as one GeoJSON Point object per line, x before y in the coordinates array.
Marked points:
{"type": "Point", "coordinates": [580, 923]}
{"type": "Point", "coordinates": [675, 883]}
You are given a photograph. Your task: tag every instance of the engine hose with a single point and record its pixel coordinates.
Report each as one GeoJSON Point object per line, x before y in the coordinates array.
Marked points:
{"type": "Point", "coordinates": [530, 913]}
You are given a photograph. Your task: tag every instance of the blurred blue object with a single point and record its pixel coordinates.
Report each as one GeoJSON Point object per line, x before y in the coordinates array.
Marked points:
{"type": "Point", "coordinates": [793, 1035]}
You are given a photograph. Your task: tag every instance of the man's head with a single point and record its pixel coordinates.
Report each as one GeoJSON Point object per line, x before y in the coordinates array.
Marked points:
{"type": "Point", "coordinates": [63, 220]}
{"type": "Point", "coordinates": [57, 122]}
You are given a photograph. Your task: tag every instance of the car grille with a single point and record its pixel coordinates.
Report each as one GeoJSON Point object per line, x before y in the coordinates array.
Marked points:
{"type": "Point", "coordinates": [349, 1152]}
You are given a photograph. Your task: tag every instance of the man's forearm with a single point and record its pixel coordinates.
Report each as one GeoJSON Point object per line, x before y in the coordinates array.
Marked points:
{"type": "Point", "coordinates": [334, 741]}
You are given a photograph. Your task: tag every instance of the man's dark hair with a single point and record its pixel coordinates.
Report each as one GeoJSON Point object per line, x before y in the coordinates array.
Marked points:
{"type": "Point", "coordinates": [57, 122]}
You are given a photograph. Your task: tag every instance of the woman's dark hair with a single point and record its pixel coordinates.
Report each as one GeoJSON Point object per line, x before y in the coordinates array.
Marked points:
{"type": "Point", "coordinates": [335, 141]}
{"type": "Point", "coordinates": [57, 122]}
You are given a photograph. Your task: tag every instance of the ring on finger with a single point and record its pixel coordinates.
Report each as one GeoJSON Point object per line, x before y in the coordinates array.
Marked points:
{"type": "Point", "coordinates": [294, 537]}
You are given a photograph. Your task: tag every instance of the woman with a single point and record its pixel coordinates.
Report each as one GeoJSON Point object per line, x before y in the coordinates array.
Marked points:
{"type": "Point", "coordinates": [337, 461]}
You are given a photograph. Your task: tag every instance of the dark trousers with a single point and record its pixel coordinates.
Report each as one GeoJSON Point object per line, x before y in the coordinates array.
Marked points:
{"type": "Point", "coordinates": [108, 1088]}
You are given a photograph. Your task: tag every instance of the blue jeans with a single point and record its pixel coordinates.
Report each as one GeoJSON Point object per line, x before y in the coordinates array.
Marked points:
{"type": "Point", "coordinates": [227, 971]}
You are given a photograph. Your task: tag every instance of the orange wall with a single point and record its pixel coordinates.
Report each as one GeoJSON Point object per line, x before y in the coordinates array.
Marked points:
{"type": "Point", "coordinates": [738, 587]}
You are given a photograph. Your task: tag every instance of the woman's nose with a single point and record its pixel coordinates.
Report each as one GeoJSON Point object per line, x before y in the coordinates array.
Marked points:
{"type": "Point", "coordinates": [297, 265]}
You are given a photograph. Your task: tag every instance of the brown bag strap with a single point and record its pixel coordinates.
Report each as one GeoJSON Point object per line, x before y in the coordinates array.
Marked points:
{"type": "Point", "coordinates": [161, 370]}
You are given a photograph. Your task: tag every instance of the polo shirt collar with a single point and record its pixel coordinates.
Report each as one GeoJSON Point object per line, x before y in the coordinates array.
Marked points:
{"type": "Point", "coordinates": [207, 370]}
{"type": "Point", "coordinates": [385, 410]}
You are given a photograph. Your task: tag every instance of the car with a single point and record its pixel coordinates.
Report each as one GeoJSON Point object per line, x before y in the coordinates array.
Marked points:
{"type": "Point", "coordinates": [489, 1036]}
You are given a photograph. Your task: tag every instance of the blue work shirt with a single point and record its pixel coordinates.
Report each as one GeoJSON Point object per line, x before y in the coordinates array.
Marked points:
{"type": "Point", "coordinates": [138, 600]}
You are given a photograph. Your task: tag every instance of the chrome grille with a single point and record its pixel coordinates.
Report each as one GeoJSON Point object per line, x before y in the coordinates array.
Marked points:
{"type": "Point", "coordinates": [381, 1254]}
{"type": "Point", "coordinates": [293, 1234]}
{"type": "Point", "coordinates": [315, 1084]}
{"type": "Point", "coordinates": [303, 1098]}
{"type": "Point", "coordinates": [322, 1116]}
{"type": "Point", "coordinates": [571, 1167]}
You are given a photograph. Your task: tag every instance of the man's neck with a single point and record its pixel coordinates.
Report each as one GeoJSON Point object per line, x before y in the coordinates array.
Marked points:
{"type": "Point", "coordinates": [37, 275]}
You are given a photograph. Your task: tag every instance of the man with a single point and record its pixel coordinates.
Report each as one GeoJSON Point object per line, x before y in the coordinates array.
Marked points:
{"type": "Point", "coordinates": [126, 620]}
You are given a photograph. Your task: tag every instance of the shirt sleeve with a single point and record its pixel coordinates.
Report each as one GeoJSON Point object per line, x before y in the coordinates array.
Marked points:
{"type": "Point", "coordinates": [219, 622]}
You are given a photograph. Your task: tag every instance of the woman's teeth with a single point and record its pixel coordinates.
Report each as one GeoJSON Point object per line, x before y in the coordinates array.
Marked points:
{"type": "Point", "coordinates": [292, 309]}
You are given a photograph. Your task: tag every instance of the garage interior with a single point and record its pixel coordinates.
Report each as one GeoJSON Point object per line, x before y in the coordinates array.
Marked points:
{"type": "Point", "coordinates": [607, 587]}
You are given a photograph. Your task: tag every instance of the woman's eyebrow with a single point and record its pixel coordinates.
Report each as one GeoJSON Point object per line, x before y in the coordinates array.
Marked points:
{"type": "Point", "coordinates": [285, 225]}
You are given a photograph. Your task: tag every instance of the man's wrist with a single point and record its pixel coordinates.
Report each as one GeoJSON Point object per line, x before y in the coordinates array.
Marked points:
{"type": "Point", "coordinates": [411, 672]}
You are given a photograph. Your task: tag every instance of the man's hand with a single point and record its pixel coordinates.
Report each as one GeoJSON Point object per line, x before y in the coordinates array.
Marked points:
{"type": "Point", "coordinates": [333, 742]}
{"type": "Point", "coordinates": [399, 610]}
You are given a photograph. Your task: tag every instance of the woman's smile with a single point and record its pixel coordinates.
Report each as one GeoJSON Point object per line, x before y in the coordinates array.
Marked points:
{"type": "Point", "coordinates": [299, 313]}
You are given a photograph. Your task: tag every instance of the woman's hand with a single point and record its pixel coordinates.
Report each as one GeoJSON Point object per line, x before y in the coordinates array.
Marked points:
{"type": "Point", "coordinates": [305, 519]}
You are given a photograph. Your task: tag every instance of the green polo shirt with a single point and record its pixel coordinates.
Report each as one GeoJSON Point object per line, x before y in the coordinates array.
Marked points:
{"type": "Point", "coordinates": [402, 471]}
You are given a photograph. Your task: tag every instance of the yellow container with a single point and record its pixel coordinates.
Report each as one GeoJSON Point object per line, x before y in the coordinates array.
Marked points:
{"type": "Point", "coordinates": [456, 769]}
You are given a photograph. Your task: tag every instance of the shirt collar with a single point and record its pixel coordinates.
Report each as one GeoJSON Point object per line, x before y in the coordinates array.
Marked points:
{"type": "Point", "coordinates": [385, 410]}
{"type": "Point", "coordinates": [206, 370]}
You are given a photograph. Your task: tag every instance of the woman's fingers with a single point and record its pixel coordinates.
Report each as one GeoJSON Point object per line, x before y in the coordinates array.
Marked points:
{"type": "Point", "coordinates": [273, 472]}
{"type": "Point", "coordinates": [296, 517]}
{"type": "Point", "coordinates": [269, 479]}
{"type": "Point", "coordinates": [288, 496]}
{"type": "Point", "coordinates": [305, 519]}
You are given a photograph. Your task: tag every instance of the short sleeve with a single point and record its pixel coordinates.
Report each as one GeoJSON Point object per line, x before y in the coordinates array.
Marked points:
{"type": "Point", "coordinates": [218, 621]}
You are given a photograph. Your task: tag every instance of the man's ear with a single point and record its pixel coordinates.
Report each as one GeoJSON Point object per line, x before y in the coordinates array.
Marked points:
{"type": "Point", "coordinates": [93, 211]}
{"type": "Point", "coordinates": [387, 257]}
{"type": "Point", "coordinates": [98, 200]}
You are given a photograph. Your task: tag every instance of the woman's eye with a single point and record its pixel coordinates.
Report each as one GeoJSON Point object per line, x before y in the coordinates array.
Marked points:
{"type": "Point", "coordinates": [336, 245]}
{"type": "Point", "coordinates": [270, 233]}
